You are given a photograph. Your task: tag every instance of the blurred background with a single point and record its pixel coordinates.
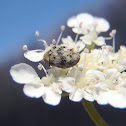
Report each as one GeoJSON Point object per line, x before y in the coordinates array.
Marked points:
{"type": "Point", "coordinates": [19, 19]}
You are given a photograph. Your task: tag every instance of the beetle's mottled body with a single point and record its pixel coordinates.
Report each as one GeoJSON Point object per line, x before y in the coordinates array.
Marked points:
{"type": "Point", "coordinates": [61, 56]}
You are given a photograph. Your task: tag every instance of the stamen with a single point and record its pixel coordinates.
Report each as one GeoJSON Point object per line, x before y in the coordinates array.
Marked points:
{"type": "Point", "coordinates": [53, 41]}
{"type": "Point", "coordinates": [86, 50]}
{"type": "Point", "coordinates": [80, 26]}
{"type": "Point", "coordinates": [36, 33]}
{"type": "Point", "coordinates": [107, 47]}
{"type": "Point", "coordinates": [75, 73]}
{"type": "Point", "coordinates": [40, 67]}
{"type": "Point", "coordinates": [107, 38]}
{"type": "Point", "coordinates": [103, 47]}
{"type": "Point", "coordinates": [62, 29]}
{"type": "Point", "coordinates": [84, 65]}
{"type": "Point", "coordinates": [76, 37]}
{"type": "Point", "coordinates": [112, 34]}
{"type": "Point", "coordinates": [43, 41]}
{"type": "Point", "coordinates": [25, 47]}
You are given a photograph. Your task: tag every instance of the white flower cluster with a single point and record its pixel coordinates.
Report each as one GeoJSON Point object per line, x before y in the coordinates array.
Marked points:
{"type": "Point", "coordinates": [89, 27]}
{"type": "Point", "coordinates": [98, 76]}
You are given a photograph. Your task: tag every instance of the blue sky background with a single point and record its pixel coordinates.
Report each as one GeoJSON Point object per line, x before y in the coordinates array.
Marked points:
{"type": "Point", "coordinates": [19, 19]}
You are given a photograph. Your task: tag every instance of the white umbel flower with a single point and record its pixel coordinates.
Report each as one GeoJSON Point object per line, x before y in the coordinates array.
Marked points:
{"type": "Point", "coordinates": [84, 23]}
{"type": "Point", "coordinates": [81, 85]}
{"type": "Point", "coordinates": [101, 25]}
{"type": "Point", "coordinates": [34, 87]}
{"type": "Point", "coordinates": [112, 90]}
{"type": "Point", "coordinates": [37, 55]}
{"type": "Point", "coordinates": [92, 37]}
{"type": "Point", "coordinates": [78, 46]}
{"type": "Point", "coordinates": [80, 23]}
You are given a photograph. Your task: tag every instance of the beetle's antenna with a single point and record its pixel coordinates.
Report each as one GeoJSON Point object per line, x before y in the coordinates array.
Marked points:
{"type": "Point", "coordinates": [62, 29]}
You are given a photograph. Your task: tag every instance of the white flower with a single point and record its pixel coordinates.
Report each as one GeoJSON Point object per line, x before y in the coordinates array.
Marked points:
{"type": "Point", "coordinates": [34, 55]}
{"type": "Point", "coordinates": [37, 55]}
{"type": "Point", "coordinates": [80, 23]}
{"type": "Point", "coordinates": [84, 23]}
{"type": "Point", "coordinates": [78, 46]}
{"type": "Point", "coordinates": [98, 76]}
{"type": "Point", "coordinates": [81, 84]}
{"type": "Point", "coordinates": [101, 24]}
{"type": "Point", "coordinates": [112, 90]}
{"type": "Point", "coordinates": [34, 87]}
{"type": "Point", "coordinates": [121, 56]}
{"type": "Point", "coordinates": [92, 37]}
{"type": "Point", "coordinates": [117, 96]}
{"type": "Point", "coordinates": [100, 93]}
{"type": "Point", "coordinates": [56, 71]}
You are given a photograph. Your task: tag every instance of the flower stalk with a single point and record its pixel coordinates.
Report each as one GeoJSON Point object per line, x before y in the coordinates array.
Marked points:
{"type": "Point", "coordinates": [93, 113]}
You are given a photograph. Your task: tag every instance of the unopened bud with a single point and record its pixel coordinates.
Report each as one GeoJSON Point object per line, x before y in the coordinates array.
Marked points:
{"type": "Point", "coordinates": [25, 47]}
{"type": "Point", "coordinates": [36, 33]}
{"type": "Point", "coordinates": [112, 33]}
{"type": "Point", "coordinates": [40, 67]}
{"type": "Point", "coordinates": [53, 41]}
{"type": "Point", "coordinates": [86, 50]}
{"type": "Point", "coordinates": [110, 48]}
{"type": "Point", "coordinates": [103, 47]}
{"type": "Point", "coordinates": [62, 28]}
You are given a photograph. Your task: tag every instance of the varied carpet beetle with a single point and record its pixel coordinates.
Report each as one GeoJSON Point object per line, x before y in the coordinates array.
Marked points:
{"type": "Point", "coordinates": [61, 56]}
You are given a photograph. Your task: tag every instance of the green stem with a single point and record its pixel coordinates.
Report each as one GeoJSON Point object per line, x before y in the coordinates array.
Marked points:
{"type": "Point", "coordinates": [90, 47]}
{"type": "Point", "coordinates": [93, 113]}
{"type": "Point", "coordinates": [64, 94]}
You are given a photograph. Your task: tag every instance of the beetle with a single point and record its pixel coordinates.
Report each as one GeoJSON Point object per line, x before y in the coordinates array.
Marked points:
{"type": "Point", "coordinates": [61, 56]}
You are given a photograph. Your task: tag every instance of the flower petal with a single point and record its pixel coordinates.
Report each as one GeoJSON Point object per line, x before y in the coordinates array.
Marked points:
{"type": "Point", "coordinates": [80, 46]}
{"type": "Point", "coordinates": [72, 22]}
{"type": "Point", "coordinates": [117, 100]}
{"type": "Point", "coordinates": [100, 94]}
{"type": "Point", "coordinates": [100, 41]}
{"type": "Point", "coordinates": [102, 25]}
{"type": "Point", "coordinates": [51, 97]}
{"type": "Point", "coordinates": [67, 40]}
{"type": "Point", "coordinates": [85, 18]}
{"type": "Point", "coordinates": [86, 39]}
{"type": "Point", "coordinates": [76, 96]}
{"type": "Point", "coordinates": [88, 96]}
{"type": "Point", "coordinates": [34, 91]}
{"type": "Point", "coordinates": [57, 87]}
{"type": "Point", "coordinates": [68, 84]}
{"type": "Point", "coordinates": [34, 55]}
{"type": "Point", "coordinates": [112, 73]}
{"type": "Point", "coordinates": [77, 30]}
{"type": "Point", "coordinates": [24, 73]}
